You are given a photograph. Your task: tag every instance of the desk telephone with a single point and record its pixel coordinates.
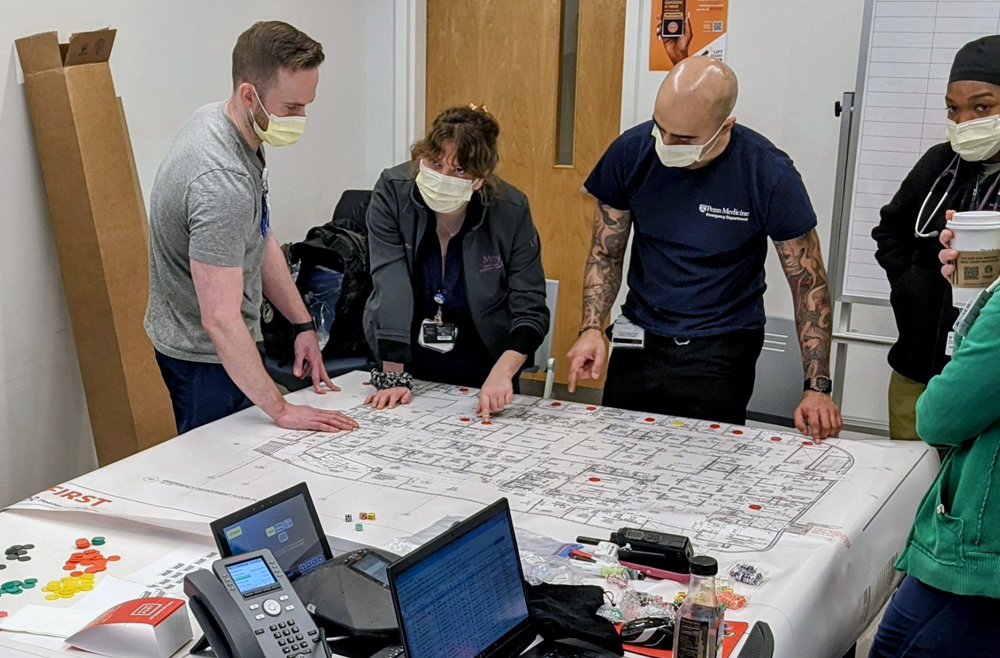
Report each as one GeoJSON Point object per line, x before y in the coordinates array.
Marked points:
{"type": "Point", "coordinates": [248, 609]}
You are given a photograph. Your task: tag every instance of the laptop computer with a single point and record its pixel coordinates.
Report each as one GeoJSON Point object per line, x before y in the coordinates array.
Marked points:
{"type": "Point", "coordinates": [462, 595]}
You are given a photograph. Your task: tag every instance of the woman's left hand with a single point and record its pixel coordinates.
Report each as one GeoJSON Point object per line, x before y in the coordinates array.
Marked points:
{"type": "Point", "coordinates": [496, 394]}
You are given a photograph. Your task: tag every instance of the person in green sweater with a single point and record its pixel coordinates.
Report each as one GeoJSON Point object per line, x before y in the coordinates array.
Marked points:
{"type": "Point", "coordinates": [950, 597]}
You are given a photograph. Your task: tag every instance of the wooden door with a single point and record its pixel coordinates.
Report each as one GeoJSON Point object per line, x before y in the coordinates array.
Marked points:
{"type": "Point", "coordinates": [508, 55]}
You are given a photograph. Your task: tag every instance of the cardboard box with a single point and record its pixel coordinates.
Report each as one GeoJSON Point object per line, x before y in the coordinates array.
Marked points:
{"type": "Point", "coordinates": [99, 221]}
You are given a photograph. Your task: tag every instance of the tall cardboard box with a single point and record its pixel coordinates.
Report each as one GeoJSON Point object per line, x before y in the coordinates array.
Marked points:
{"type": "Point", "coordinates": [99, 221]}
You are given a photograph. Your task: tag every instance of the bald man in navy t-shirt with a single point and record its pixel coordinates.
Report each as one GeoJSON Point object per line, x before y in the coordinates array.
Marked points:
{"type": "Point", "coordinates": [703, 195]}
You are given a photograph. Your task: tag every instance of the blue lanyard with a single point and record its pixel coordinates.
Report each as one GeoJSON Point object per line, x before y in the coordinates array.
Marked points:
{"type": "Point", "coordinates": [265, 207]}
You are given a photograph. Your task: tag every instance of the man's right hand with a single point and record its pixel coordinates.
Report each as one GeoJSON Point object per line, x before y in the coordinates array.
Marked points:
{"type": "Point", "coordinates": [587, 357]}
{"type": "Point", "coordinates": [388, 398]}
{"type": "Point", "coordinates": [301, 417]}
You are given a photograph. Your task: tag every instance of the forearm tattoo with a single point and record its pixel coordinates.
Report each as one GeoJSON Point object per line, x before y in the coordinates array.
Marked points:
{"type": "Point", "coordinates": [603, 276]}
{"type": "Point", "coordinates": [803, 264]}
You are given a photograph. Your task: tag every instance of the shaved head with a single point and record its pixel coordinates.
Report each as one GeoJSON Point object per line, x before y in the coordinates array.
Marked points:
{"type": "Point", "coordinates": [695, 104]}
{"type": "Point", "coordinates": [703, 82]}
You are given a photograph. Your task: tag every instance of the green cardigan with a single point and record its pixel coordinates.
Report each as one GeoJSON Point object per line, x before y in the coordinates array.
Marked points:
{"type": "Point", "coordinates": [955, 541]}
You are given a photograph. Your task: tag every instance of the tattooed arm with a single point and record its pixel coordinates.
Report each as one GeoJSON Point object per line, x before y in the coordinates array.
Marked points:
{"type": "Point", "coordinates": [601, 281]}
{"type": "Point", "coordinates": [802, 262]}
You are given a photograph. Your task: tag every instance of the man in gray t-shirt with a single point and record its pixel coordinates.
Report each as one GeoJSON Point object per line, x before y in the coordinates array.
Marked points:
{"type": "Point", "coordinates": [212, 255]}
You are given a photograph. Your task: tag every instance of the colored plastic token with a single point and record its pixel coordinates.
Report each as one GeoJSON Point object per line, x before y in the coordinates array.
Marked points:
{"type": "Point", "coordinates": [24, 558]}
{"type": "Point", "coordinates": [87, 576]}
{"type": "Point", "coordinates": [31, 581]}
{"type": "Point", "coordinates": [807, 443]}
{"type": "Point", "coordinates": [463, 390]}
{"type": "Point", "coordinates": [371, 516]}
{"type": "Point", "coordinates": [775, 438]}
{"type": "Point", "coordinates": [465, 420]}
{"type": "Point", "coordinates": [28, 547]}
{"type": "Point", "coordinates": [69, 567]}
{"type": "Point", "coordinates": [359, 527]}
{"type": "Point", "coordinates": [366, 383]}
{"type": "Point", "coordinates": [348, 518]}
{"type": "Point", "coordinates": [76, 574]}
{"type": "Point", "coordinates": [737, 432]}
{"type": "Point", "coordinates": [650, 420]}
{"type": "Point", "coordinates": [594, 479]}
{"type": "Point", "coordinates": [486, 422]}
{"type": "Point", "coordinates": [756, 508]}
{"type": "Point", "coordinates": [82, 543]}
{"type": "Point", "coordinates": [52, 597]}
{"type": "Point", "coordinates": [591, 408]}
{"type": "Point", "coordinates": [678, 423]}
{"type": "Point", "coordinates": [2, 567]}
{"type": "Point", "coordinates": [715, 426]}
{"type": "Point", "coordinates": [114, 558]}
{"type": "Point", "coordinates": [3, 614]}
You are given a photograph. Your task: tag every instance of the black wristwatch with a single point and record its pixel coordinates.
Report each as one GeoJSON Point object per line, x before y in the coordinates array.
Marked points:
{"type": "Point", "coordinates": [304, 327]}
{"type": "Point", "coordinates": [819, 384]}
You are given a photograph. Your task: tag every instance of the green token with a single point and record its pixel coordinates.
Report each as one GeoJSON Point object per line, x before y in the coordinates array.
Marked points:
{"type": "Point", "coordinates": [97, 539]}
{"type": "Point", "coordinates": [28, 585]}
{"type": "Point", "coordinates": [30, 581]}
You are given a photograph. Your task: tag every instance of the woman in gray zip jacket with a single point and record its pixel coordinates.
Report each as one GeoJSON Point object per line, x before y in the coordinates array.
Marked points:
{"type": "Point", "coordinates": [459, 291]}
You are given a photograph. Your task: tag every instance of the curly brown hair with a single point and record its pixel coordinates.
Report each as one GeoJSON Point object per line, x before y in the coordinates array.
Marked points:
{"type": "Point", "coordinates": [473, 131]}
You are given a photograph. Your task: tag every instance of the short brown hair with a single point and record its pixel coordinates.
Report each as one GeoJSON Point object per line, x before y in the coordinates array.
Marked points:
{"type": "Point", "coordinates": [269, 46]}
{"type": "Point", "coordinates": [473, 131]}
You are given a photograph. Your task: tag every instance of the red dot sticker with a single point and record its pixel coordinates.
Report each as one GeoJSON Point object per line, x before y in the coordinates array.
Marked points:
{"type": "Point", "coordinates": [594, 479]}
{"type": "Point", "coordinates": [465, 420]}
{"type": "Point", "coordinates": [737, 432]}
{"type": "Point", "coordinates": [366, 383]}
{"type": "Point", "coordinates": [715, 426]}
{"type": "Point", "coordinates": [591, 408]}
{"type": "Point", "coordinates": [650, 420]}
{"type": "Point", "coordinates": [557, 404]}
{"type": "Point", "coordinates": [775, 438]}
{"type": "Point", "coordinates": [808, 443]}
{"type": "Point", "coordinates": [463, 390]}
{"type": "Point", "coordinates": [755, 508]}
{"type": "Point", "coordinates": [486, 422]}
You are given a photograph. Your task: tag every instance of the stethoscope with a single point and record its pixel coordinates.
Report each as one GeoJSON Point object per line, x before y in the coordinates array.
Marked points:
{"type": "Point", "coordinates": [951, 171]}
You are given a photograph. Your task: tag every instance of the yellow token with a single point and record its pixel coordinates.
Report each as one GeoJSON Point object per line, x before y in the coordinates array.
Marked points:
{"type": "Point", "coordinates": [679, 423]}
{"type": "Point", "coordinates": [87, 576]}
{"type": "Point", "coordinates": [66, 596]}
{"type": "Point", "coordinates": [86, 588]}
{"type": "Point", "coordinates": [52, 597]}
{"type": "Point", "coordinates": [46, 588]}
{"type": "Point", "coordinates": [53, 584]}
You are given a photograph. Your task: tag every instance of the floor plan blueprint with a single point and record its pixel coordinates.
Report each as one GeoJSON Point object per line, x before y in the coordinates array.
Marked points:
{"type": "Point", "coordinates": [730, 488]}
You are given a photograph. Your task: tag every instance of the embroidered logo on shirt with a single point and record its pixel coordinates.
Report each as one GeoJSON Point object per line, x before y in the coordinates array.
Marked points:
{"type": "Point", "coordinates": [491, 263]}
{"type": "Point", "coordinates": [730, 214]}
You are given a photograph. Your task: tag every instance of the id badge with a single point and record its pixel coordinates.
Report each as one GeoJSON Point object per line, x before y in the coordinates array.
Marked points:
{"type": "Point", "coordinates": [626, 335]}
{"type": "Point", "coordinates": [949, 346]}
{"type": "Point", "coordinates": [437, 337]}
{"type": "Point", "coordinates": [970, 313]}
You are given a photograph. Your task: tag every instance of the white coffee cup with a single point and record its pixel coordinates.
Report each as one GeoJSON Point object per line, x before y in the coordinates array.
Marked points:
{"type": "Point", "coordinates": [977, 240]}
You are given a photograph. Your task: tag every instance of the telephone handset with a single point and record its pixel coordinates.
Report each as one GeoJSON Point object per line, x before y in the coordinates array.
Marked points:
{"type": "Point", "coordinates": [248, 609]}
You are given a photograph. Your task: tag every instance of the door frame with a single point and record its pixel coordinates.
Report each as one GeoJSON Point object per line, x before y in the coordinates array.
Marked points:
{"type": "Point", "coordinates": [409, 75]}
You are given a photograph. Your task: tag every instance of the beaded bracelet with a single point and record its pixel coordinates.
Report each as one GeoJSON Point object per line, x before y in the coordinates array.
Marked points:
{"type": "Point", "coordinates": [383, 380]}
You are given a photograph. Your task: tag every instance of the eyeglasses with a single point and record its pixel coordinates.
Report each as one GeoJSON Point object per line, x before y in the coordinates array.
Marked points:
{"type": "Point", "coordinates": [265, 207]}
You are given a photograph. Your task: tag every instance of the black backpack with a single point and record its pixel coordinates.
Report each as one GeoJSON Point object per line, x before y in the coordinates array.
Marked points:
{"type": "Point", "coordinates": [342, 246]}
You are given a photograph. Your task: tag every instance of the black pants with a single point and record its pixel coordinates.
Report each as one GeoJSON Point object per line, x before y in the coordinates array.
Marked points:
{"type": "Point", "coordinates": [708, 378]}
{"type": "Point", "coordinates": [200, 392]}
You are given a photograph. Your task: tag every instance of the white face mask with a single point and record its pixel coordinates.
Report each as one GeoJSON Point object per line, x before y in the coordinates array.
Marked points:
{"type": "Point", "coordinates": [443, 194]}
{"type": "Point", "coordinates": [683, 155]}
{"type": "Point", "coordinates": [281, 131]}
{"type": "Point", "coordinates": [977, 140]}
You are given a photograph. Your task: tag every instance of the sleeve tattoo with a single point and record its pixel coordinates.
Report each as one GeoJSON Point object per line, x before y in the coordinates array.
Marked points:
{"type": "Point", "coordinates": [603, 276]}
{"type": "Point", "coordinates": [802, 262]}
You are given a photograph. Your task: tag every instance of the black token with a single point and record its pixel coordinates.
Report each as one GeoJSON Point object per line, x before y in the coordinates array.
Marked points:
{"type": "Point", "coordinates": [11, 557]}
{"type": "Point", "coordinates": [24, 558]}
{"type": "Point", "coordinates": [9, 551]}
{"type": "Point", "coordinates": [2, 567]}
{"type": "Point", "coordinates": [22, 552]}
{"type": "Point", "coordinates": [16, 547]}
{"type": "Point", "coordinates": [28, 547]}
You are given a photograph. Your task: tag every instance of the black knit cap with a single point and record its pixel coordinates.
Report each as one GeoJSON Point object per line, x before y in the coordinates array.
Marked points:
{"type": "Point", "coordinates": [979, 61]}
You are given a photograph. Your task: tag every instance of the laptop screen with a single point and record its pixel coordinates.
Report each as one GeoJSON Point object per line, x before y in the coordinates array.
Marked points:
{"type": "Point", "coordinates": [465, 595]}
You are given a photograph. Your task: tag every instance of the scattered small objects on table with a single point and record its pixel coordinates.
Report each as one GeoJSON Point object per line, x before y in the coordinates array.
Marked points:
{"type": "Point", "coordinates": [17, 552]}
{"type": "Point", "coordinates": [359, 527]}
{"type": "Point", "coordinates": [746, 574]}
{"type": "Point", "coordinates": [363, 516]}
{"type": "Point", "coordinates": [348, 518]}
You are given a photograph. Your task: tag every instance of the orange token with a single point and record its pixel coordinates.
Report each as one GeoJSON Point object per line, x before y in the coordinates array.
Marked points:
{"type": "Point", "coordinates": [69, 567]}
{"type": "Point", "coordinates": [114, 558]}
{"type": "Point", "coordinates": [82, 543]}
{"type": "Point", "coordinates": [76, 574]}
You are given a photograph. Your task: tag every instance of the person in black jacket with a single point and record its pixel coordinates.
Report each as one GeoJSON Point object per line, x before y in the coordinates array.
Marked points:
{"type": "Point", "coordinates": [456, 263]}
{"type": "Point", "coordinates": [958, 175]}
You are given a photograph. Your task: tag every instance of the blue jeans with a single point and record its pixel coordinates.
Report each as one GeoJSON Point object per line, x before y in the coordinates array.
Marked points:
{"type": "Point", "coordinates": [200, 392]}
{"type": "Point", "coordinates": [923, 622]}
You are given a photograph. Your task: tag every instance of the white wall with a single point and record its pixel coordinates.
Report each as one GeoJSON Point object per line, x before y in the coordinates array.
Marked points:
{"type": "Point", "coordinates": [794, 59]}
{"type": "Point", "coordinates": [169, 58]}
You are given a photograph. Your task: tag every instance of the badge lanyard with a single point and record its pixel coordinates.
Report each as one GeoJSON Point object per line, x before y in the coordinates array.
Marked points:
{"type": "Point", "coordinates": [265, 206]}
